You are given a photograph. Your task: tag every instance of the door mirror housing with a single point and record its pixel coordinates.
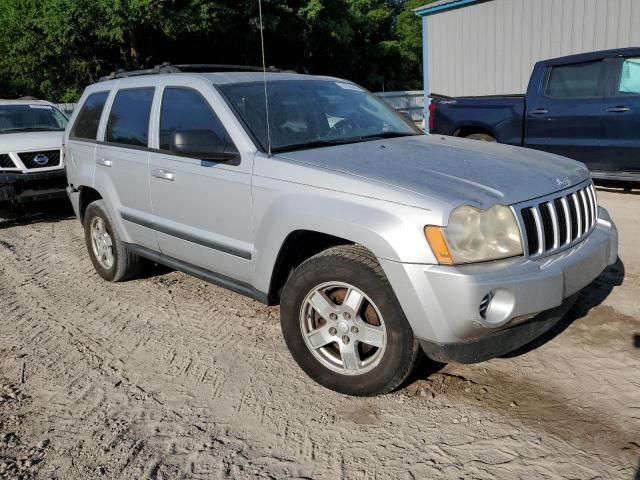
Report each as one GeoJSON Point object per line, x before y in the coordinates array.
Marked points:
{"type": "Point", "coordinates": [203, 144]}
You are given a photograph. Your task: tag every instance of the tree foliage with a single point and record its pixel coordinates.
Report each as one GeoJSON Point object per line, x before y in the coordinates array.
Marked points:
{"type": "Point", "coordinates": [54, 48]}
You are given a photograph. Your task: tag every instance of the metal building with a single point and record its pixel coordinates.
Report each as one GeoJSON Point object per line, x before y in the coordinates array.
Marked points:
{"type": "Point", "coordinates": [489, 47]}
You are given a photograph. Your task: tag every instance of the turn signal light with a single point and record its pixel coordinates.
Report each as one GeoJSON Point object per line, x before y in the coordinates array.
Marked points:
{"type": "Point", "coordinates": [438, 244]}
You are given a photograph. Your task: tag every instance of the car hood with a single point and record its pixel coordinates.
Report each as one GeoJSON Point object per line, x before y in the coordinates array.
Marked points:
{"type": "Point", "coordinates": [453, 170]}
{"type": "Point", "coordinates": [29, 141]}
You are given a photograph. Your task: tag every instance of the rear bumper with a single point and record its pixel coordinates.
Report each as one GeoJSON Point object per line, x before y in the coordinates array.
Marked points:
{"type": "Point", "coordinates": [442, 303]}
{"type": "Point", "coordinates": [32, 187]}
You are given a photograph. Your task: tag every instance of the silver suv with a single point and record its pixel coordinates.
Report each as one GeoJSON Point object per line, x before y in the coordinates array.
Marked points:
{"type": "Point", "coordinates": [379, 243]}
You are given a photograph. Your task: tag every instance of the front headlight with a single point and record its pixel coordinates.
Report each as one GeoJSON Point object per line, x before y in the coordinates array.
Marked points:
{"type": "Point", "coordinates": [475, 235]}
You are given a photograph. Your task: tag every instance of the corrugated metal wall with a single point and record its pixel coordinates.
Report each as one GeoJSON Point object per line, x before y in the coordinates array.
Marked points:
{"type": "Point", "coordinates": [490, 48]}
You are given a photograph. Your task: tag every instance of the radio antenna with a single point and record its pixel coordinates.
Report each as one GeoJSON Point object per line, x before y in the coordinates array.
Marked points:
{"type": "Point", "coordinates": [264, 72]}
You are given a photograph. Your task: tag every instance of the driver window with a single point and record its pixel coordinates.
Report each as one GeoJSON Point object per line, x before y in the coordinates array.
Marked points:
{"type": "Point", "coordinates": [185, 109]}
{"type": "Point", "coordinates": [630, 77]}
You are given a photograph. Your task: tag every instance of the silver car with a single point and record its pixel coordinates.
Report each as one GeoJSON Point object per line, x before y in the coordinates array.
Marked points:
{"type": "Point", "coordinates": [379, 243]}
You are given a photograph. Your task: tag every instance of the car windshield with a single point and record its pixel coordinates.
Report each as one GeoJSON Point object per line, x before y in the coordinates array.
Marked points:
{"type": "Point", "coordinates": [33, 117]}
{"type": "Point", "coordinates": [314, 113]}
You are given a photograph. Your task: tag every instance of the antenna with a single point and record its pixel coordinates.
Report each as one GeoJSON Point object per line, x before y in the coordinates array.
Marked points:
{"type": "Point", "coordinates": [264, 70]}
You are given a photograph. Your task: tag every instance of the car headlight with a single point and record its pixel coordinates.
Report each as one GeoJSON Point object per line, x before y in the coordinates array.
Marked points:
{"type": "Point", "coordinates": [475, 235]}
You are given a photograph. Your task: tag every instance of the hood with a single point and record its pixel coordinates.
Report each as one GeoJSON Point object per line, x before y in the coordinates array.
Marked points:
{"type": "Point", "coordinates": [28, 141]}
{"type": "Point", "coordinates": [453, 170]}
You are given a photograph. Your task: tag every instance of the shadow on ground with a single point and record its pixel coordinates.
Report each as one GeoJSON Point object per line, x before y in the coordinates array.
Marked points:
{"type": "Point", "coordinates": [48, 212]}
{"type": "Point", "coordinates": [618, 187]}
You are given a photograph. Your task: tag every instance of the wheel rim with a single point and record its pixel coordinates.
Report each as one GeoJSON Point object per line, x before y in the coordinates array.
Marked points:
{"type": "Point", "coordinates": [101, 243]}
{"type": "Point", "coordinates": [343, 328]}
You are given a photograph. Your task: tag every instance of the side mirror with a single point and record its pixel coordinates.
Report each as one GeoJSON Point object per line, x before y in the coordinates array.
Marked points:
{"type": "Point", "coordinates": [203, 144]}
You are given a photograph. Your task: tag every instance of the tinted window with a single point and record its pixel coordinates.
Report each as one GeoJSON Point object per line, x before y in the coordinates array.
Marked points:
{"type": "Point", "coordinates": [579, 80]}
{"type": "Point", "coordinates": [630, 77]}
{"type": "Point", "coordinates": [186, 109]}
{"type": "Point", "coordinates": [308, 113]}
{"type": "Point", "coordinates": [35, 117]}
{"type": "Point", "coordinates": [88, 119]}
{"type": "Point", "coordinates": [129, 117]}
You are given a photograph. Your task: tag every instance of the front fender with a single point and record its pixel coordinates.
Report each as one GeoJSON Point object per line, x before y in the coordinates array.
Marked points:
{"type": "Point", "coordinates": [391, 231]}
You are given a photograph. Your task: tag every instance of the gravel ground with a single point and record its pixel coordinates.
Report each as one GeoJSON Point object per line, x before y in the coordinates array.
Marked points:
{"type": "Point", "coordinates": [168, 377]}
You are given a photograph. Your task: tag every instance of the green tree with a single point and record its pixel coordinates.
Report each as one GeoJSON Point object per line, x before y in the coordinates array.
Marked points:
{"type": "Point", "coordinates": [54, 48]}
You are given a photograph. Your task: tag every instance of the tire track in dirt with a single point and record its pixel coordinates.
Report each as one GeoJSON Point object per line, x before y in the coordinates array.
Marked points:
{"type": "Point", "coordinates": [167, 377]}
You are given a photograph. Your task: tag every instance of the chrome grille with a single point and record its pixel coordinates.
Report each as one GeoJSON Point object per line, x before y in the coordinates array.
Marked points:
{"type": "Point", "coordinates": [557, 222]}
{"type": "Point", "coordinates": [5, 161]}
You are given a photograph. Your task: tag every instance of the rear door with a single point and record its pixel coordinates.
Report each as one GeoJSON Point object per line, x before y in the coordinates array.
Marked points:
{"type": "Point", "coordinates": [202, 208]}
{"type": "Point", "coordinates": [81, 146]}
{"type": "Point", "coordinates": [564, 113]}
{"type": "Point", "coordinates": [122, 160]}
{"type": "Point", "coordinates": [621, 137]}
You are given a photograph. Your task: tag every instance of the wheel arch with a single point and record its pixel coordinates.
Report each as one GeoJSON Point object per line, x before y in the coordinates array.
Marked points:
{"type": "Point", "coordinates": [467, 130]}
{"type": "Point", "coordinates": [297, 247]}
{"type": "Point", "coordinates": [298, 227]}
{"type": "Point", "coordinates": [87, 196]}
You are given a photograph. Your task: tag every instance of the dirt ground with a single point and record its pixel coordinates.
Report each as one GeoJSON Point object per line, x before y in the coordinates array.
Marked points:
{"type": "Point", "coordinates": [169, 377]}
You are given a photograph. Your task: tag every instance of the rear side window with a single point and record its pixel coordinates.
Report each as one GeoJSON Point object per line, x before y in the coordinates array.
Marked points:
{"type": "Point", "coordinates": [573, 81]}
{"type": "Point", "coordinates": [630, 77]}
{"type": "Point", "coordinates": [129, 117]}
{"type": "Point", "coordinates": [185, 109]}
{"type": "Point", "coordinates": [88, 119]}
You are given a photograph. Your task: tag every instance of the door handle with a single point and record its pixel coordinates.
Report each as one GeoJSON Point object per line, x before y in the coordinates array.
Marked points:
{"type": "Point", "coordinates": [105, 162]}
{"type": "Point", "coordinates": [163, 174]}
{"type": "Point", "coordinates": [619, 109]}
{"type": "Point", "coordinates": [540, 111]}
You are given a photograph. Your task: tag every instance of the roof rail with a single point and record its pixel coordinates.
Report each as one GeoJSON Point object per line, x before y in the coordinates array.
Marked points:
{"type": "Point", "coordinates": [167, 67]}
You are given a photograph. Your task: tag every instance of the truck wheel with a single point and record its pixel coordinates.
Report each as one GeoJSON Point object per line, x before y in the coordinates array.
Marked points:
{"type": "Point", "coordinates": [344, 326]}
{"type": "Point", "coordinates": [109, 255]}
{"type": "Point", "coordinates": [485, 137]}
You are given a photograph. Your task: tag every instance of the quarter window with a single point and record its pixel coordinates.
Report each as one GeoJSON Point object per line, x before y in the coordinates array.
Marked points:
{"type": "Point", "coordinates": [630, 77]}
{"type": "Point", "coordinates": [186, 109]}
{"type": "Point", "coordinates": [574, 81]}
{"type": "Point", "coordinates": [88, 120]}
{"type": "Point", "coordinates": [129, 117]}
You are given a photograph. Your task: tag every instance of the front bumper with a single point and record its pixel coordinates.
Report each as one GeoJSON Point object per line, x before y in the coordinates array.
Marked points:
{"type": "Point", "coordinates": [31, 187]}
{"type": "Point", "coordinates": [442, 303]}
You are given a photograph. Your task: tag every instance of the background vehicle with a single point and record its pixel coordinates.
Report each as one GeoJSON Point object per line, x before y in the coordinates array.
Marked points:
{"type": "Point", "coordinates": [31, 164]}
{"type": "Point", "coordinates": [377, 241]}
{"type": "Point", "coordinates": [586, 107]}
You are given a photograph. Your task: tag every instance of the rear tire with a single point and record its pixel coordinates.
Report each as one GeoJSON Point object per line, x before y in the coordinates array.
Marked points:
{"type": "Point", "coordinates": [484, 137]}
{"type": "Point", "coordinates": [344, 325]}
{"type": "Point", "coordinates": [110, 257]}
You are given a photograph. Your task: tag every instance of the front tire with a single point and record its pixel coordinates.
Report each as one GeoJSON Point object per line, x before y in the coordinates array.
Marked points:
{"type": "Point", "coordinates": [110, 257]}
{"type": "Point", "coordinates": [344, 326]}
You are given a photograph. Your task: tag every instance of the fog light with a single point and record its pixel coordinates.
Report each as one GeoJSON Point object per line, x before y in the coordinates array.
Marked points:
{"type": "Point", "coordinates": [497, 307]}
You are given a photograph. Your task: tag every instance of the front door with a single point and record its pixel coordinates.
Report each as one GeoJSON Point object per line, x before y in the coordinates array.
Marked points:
{"type": "Point", "coordinates": [202, 208]}
{"type": "Point", "coordinates": [621, 114]}
{"type": "Point", "coordinates": [565, 116]}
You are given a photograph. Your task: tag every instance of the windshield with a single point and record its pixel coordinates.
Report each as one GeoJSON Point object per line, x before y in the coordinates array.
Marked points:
{"type": "Point", "coordinates": [313, 113]}
{"type": "Point", "coordinates": [36, 117]}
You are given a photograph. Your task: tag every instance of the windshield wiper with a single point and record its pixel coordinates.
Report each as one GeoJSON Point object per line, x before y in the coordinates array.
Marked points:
{"type": "Point", "coordinates": [30, 129]}
{"type": "Point", "coordinates": [341, 141]}
{"type": "Point", "coordinates": [376, 136]}
{"type": "Point", "coordinates": [312, 144]}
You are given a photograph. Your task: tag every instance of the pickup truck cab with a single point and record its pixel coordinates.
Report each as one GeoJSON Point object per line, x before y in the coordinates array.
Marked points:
{"type": "Point", "coordinates": [585, 107]}
{"type": "Point", "coordinates": [377, 241]}
{"type": "Point", "coordinates": [31, 164]}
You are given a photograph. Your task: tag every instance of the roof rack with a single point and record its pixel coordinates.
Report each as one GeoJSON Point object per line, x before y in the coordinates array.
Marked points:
{"type": "Point", "coordinates": [167, 67]}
